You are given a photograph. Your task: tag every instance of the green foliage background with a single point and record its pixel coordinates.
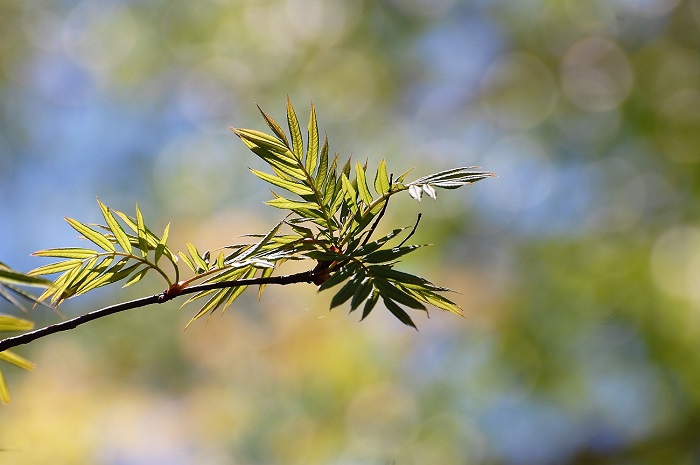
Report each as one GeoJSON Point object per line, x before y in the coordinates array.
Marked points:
{"type": "Point", "coordinates": [577, 266]}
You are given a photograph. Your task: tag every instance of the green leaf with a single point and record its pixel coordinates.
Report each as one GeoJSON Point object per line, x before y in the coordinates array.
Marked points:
{"type": "Point", "coordinates": [338, 277]}
{"type": "Point", "coordinates": [291, 186]}
{"type": "Point", "coordinates": [137, 277]}
{"type": "Point", "coordinates": [188, 262]}
{"type": "Point", "coordinates": [369, 305]}
{"type": "Point", "coordinates": [388, 255]}
{"type": "Point", "coordinates": [347, 291]}
{"type": "Point", "coordinates": [362, 188]}
{"type": "Point", "coordinates": [141, 232]}
{"type": "Point", "coordinates": [252, 138]}
{"type": "Point", "coordinates": [266, 273]}
{"type": "Point", "coordinates": [91, 235]}
{"type": "Point", "coordinates": [294, 131]}
{"type": "Point", "coordinates": [114, 226]}
{"type": "Point", "coordinates": [381, 180]}
{"type": "Point", "coordinates": [197, 259]}
{"type": "Point", "coordinates": [386, 289]}
{"type": "Point", "coordinates": [15, 277]}
{"type": "Point", "coordinates": [349, 192]}
{"type": "Point", "coordinates": [67, 252]}
{"type": "Point", "coordinates": [436, 300]}
{"type": "Point", "coordinates": [287, 204]}
{"type": "Point", "coordinates": [312, 149]}
{"type": "Point", "coordinates": [4, 391]}
{"type": "Point", "coordinates": [322, 171]}
{"type": "Point", "coordinates": [275, 127]}
{"type": "Point", "coordinates": [11, 323]}
{"type": "Point", "coordinates": [390, 273]}
{"type": "Point", "coordinates": [362, 292]}
{"type": "Point", "coordinates": [398, 312]}
{"type": "Point", "coordinates": [16, 360]}
{"type": "Point", "coordinates": [160, 248]}
{"type": "Point", "coordinates": [56, 267]}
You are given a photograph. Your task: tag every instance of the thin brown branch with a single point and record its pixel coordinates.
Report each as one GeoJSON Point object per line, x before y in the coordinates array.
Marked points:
{"type": "Point", "coordinates": [8, 343]}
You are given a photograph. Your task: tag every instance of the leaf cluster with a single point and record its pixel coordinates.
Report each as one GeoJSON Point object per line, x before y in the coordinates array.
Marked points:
{"type": "Point", "coordinates": [333, 209]}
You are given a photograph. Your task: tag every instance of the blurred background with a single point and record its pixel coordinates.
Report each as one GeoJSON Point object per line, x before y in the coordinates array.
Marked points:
{"type": "Point", "coordinates": [578, 267]}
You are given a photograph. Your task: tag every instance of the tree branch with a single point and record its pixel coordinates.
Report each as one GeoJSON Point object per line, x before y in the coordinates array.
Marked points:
{"type": "Point", "coordinates": [165, 296]}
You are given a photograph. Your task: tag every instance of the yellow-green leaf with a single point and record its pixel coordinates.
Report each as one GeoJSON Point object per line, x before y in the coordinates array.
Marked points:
{"type": "Point", "coordinates": [11, 323]}
{"type": "Point", "coordinates": [312, 148]}
{"type": "Point", "coordinates": [362, 188]}
{"type": "Point", "coordinates": [381, 180]}
{"type": "Point", "coordinates": [291, 186]}
{"type": "Point", "coordinates": [92, 235]}
{"type": "Point", "coordinates": [16, 360]}
{"type": "Point", "coordinates": [115, 227]}
{"type": "Point", "coordinates": [294, 131]}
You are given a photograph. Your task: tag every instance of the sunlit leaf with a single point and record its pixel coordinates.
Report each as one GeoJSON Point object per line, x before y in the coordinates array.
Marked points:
{"type": "Point", "coordinates": [160, 248]}
{"type": "Point", "coordinates": [91, 235]}
{"type": "Point", "coordinates": [15, 277]}
{"type": "Point", "coordinates": [291, 186]}
{"type": "Point", "coordinates": [362, 188]}
{"type": "Point", "coordinates": [4, 391]}
{"type": "Point", "coordinates": [115, 227]}
{"type": "Point", "coordinates": [141, 232]}
{"type": "Point", "coordinates": [136, 277]}
{"type": "Point", "coordinates": [67, 252]}
{"type": "Point", "coordinates": [11, 323]}
{"type": "Point", "coordinates": [197, 259]}
{"type": "Point", "coordinates": [381, 180]}
{"type": "Point", "coordinates": [294, 131]}
{"type": "Point", "coordinates": [275, 127]}
{"type": "Point", "coordinates": [322, 171]}
{"type": "Point", "coordinates": [16, 360]}
{"type": "Point", "coordinates": [312, 149]}
{"type": "Point", "coordinates": [56, 267]}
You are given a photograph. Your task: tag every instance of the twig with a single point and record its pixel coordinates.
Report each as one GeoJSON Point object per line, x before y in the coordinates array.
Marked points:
{"type": "Point", "coordinates": [413, 231]}
{"type": "Point", "coordinates": [306, 276]}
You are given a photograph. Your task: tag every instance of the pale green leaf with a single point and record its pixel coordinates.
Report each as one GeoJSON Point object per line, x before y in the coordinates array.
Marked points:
{"type": "Point", "coordinates": [362, 188]}
{"type": "Point", "coordinates": [322, 170]}
{"type": "Point", "coordinates": [67, 252]}
{"type": "Point", "coordinates": [56, 267]}
{"type": "Point", "coordinates": [275, 127]}
{"type": "Point", "coordinates": [294, 131]}
{"type": "Point", "coordinates": [141, 232]}
{"type": "Point", "coordinates": [312, 148]}
{"type": "Point", "coordinates": [291, 186]}
{"type": "Point", "coordinates": [160, 248]}
{"type": "Point", "coordinates": [136, 277]}
{"type": "Point", "coordinates": [115, 227]}
{"type": "Point", "coordinates": [14, 277]}
{"type": "Point", "coordinates": [11, 323]}
{"type": "Point", "coordinates": [16, 360]}
{"type": "Point", "coordinates": [4, 391]}
{"type": "Point", "coordinates": [92, 235]}
{"type": "Point", "coordinates": [381, 180]}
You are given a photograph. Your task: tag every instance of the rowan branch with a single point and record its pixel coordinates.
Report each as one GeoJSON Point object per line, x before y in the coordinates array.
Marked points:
{"type": "Point", "coordinates": [165, 296]}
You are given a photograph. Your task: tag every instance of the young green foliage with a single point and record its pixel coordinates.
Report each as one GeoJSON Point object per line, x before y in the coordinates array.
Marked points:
{"type": "Point", "coordinates": [332, 213]}
{"type": "Point", "coordinates": [341, 212]}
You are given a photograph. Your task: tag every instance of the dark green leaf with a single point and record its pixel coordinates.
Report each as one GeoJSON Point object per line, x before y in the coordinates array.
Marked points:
{"type": "Point", "coordinates": [361, 293]}
{"type": "Point", "coordinates": [398, 312]}
{"type": "Point", "coordinates": [388, 255]}
{"type": "Point", "coordinates": [369, 305]}
{"type": "Point", "coordinates": [388, 290]}
{"type": "Point", "coordinates": [347, 291]}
